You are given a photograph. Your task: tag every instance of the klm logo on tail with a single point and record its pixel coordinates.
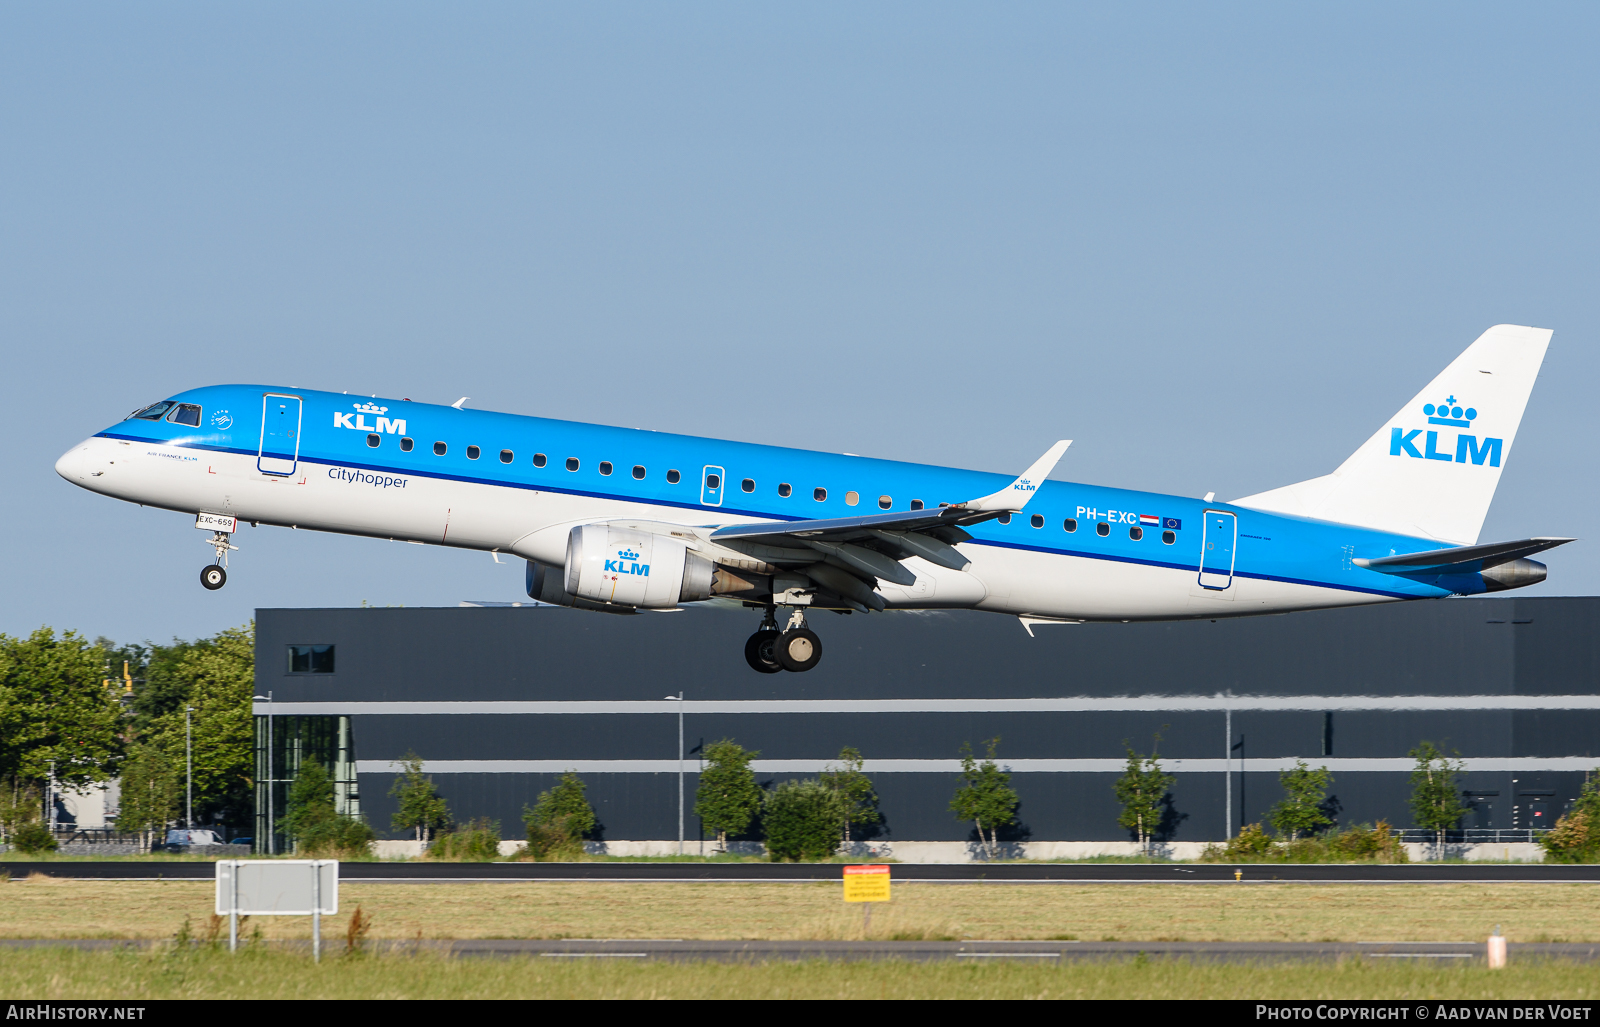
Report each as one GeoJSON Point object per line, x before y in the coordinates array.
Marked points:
{"type": "Point", "coordinates": [1450, 414]}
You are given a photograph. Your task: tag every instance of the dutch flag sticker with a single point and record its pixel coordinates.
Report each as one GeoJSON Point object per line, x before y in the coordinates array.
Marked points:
{"type": "Point", "coordinates": [1150, 519]}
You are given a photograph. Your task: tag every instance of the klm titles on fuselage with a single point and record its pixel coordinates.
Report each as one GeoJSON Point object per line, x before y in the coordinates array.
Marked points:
{"type": "Point", "coordinates": [1404, 443]}
{"type": "Point", "coordinates": [627, 563]}
{"type": "Point", "coordinates": [397, 426]}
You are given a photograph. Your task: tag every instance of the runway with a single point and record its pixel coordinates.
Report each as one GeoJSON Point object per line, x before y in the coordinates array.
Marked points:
{"type": "Point", "coordinates": [422, 872]}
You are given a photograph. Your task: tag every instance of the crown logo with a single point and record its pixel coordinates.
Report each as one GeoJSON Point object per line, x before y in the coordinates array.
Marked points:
{"type": "Point", "coordinates": [627, 554]}
{"type": "Point", "coordinates": [1450, 413]}
{"type": "Point", "coordinates": [371, 408]}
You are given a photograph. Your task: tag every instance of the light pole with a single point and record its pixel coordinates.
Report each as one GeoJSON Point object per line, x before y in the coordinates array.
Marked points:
{"type": "Point", "coordinates": [679, 700]}
{"type": "Point", "coordinates": [271, 827]}
{"type": "Point", "coordinates": [50, 798]}
{"type": "Point", "coordinates": [188, 768]}
{"type": "Point", "coordinates": [1227, 772]}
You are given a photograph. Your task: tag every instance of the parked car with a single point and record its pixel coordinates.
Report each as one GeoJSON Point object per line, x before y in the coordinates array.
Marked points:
{"type": "Point", "coordinates": [193, 836]}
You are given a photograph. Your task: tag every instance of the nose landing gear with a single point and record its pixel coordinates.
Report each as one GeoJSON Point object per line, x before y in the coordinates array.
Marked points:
{"type": "Point", "coordinates": [215, 576]}
{"type": "Point", "coordinates": [796, 648]}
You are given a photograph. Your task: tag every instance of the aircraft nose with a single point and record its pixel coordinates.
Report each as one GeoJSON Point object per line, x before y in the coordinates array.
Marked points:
{"type": "Point", "coordinates": [74, 464]}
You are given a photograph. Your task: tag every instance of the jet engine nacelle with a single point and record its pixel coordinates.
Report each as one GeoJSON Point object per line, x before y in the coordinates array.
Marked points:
{"type": "Point", "coordinates": [627, 567]}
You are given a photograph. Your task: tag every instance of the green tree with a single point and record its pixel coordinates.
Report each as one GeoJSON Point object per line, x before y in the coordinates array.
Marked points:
{"type": "Point", "coordinates": [151, 789]}
{"type": "Point", "coordinates": [1435, 797]}
{"type": "Point", "coordinates": [985, 796]}
{"type": "Point", "coordinates": [1305, 793]}
{"type": "Point", "coordinates": [1141, 789]}
{"type": "Point", "coordinates": [1576, 835]}
{"type": "Point", "coordinates": [20, 806]}
{"type": "Point", "coordinates": [728, 798]}
{"type": "Point", "coordinates": [559, 819]}
{"type": "Point", "coordinates": [55, 709]}
{"type": "Point", "coordinates": [801, 820]}
{"type": "Point", "coordinates": [857, 801]}
{"type": "Point", "coordinates": [420, 809]}
{"type": "Point", "coordinates": [314, 821]}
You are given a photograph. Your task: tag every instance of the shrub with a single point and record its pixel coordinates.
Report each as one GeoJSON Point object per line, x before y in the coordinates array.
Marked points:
{"type": "Point", "coordinates": [314, 821]}
{"type": "Point", "coordinates": [802, 821]}
{"type": "Point", "coordinates": [558, 821]}
{"type": "Point", "coordinates": [476, 842]}
{"type": "Point", "coordinates": [1361, 842]}
{"type": "Point", "coordinates": [1354, 844]}
{"type": "Point", "coordinates": [1576, 836]}
{"type": "Point", "coordinates": [32, 838]}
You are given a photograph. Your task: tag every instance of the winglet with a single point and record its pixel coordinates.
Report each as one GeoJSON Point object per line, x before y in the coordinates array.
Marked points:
{"type": "Point", "coordinates": [1016, 495]}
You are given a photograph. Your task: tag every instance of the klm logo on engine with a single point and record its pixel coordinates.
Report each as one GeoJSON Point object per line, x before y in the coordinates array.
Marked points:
{"type": "Point", "coordinates": [1450, 414]}
{"type": "Point", "coordinates": [359, 422]}
{"type": "Point", "coordinates": [627, 562]}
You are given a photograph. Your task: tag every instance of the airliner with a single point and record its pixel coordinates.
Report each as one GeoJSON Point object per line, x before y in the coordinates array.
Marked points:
{"type": "Point", "coordinates": [622, 520]}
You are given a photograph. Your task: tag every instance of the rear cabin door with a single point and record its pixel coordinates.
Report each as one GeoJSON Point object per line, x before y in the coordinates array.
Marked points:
{"type": "Point", "coordinates": [711, 484]}
{"type": "Point", "coordinates": [1216, 550]}
{"type": "Point", "coordinates": [280, 434]}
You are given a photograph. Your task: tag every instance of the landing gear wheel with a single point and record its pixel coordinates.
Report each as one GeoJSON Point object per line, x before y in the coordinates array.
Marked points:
{"type": "Point", "coordinates": [758, 651]}
{"type": "Point", "coordinates": [799, 649]}
{"type": "Point", "coordinates": [213, 577]}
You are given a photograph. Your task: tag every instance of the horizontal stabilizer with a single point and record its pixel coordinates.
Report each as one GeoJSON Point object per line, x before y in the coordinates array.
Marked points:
{"type": "Point", "coordinates": [1462, 558]}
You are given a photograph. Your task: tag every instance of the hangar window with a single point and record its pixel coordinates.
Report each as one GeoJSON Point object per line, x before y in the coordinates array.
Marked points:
{"type": "Point", "coordinates": [152, 412]}
{"type": "Point", "coordinates": [406, 445]}
{"type": "Point", "coordinates": [605, 467]}
{"type": "Point", "coordinates": [572, 463]}
{"type": "Point", "coordinates": [1169, 537]}
{"type": "Point", "coordinates": [1102, 529]}
{"type": "Point", "coordinates": [820, 495]}
{"type": "Point", "coordinates": [673, 477]}
{"type": "Point", "coordinates": [373, 440]}
{"type": "Point", "coordinates": [785, 490]}
{"type": "Point", "coordinates": [539, 460]}
{"type": "Point", "coordinates": [506, 456]}
{"type": "Point", "coordinates": [884, 502]}
{"type": "Point", "coordinates": [1037, 520]}
{"type": "Point", "coordinates": [1136, 533]}
{"type": "Point", "coordinates": [311, 659]}
{"type": "Point", "coordinates": [748, 485]}
{"type": "Point", "coordinates": [916, 504]}
{"type": "Point", "coordinates": [473, 452]}
{"type": "Point", "coordinates": [439, 449]}
{"type": "Point", "coordinates": [638, 471]}
{"type": "Point", "coordinates": [185, 413]}
{"type": "Point", "coordinates": [1004, 518]}
{"type": "Point", "coordinates": [851, 498]}
{"type": "Point", "coordinates": [1070, 524]}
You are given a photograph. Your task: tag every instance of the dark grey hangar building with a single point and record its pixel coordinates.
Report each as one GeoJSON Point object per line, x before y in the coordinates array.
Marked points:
{"type": "Point", "coordinates": [498, 701]}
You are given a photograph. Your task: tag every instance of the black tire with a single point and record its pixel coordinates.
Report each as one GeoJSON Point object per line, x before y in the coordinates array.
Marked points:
{"type": "Point", "coordinates": [758, 652]}
{"type": "Point", "coordinates": [213, 577]}
{"type": "Point", "coordinates": [799, 650]}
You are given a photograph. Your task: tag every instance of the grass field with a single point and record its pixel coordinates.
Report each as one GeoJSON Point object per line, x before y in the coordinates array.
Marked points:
{"type": "Point", "coordinates": [41, 907]}
{"type": "Point", "coordinates": [161, 974]}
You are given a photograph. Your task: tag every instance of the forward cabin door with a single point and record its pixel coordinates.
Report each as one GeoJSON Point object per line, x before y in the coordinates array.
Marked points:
{"type": "Point", "coordinates": [1216, 550]}
{"type": "Point", "coordinates": [280, 434]}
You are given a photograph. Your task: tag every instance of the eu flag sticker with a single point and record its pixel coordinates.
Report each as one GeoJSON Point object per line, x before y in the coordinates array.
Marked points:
{"type": "Point", "coordinates": [1171, 524]}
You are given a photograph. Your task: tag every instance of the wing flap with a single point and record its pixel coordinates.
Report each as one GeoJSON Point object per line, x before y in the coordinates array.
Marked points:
{"type": "Point", "coordinates": [1464, 558]}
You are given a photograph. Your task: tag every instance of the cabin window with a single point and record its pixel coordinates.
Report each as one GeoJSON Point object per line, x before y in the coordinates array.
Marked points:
{"type": "Point", "coordinates": [820, 495]}
{"type": "Point", "coordinates": [1069, 525]}
{"type": "Point", "coordinates": [506, 456]}
{"type": "Point", "coordinates": [1037, 520]}
{"type": "Point", "coordinates": [605, 467]}
{"type": "Point", "coordinates": [539, 460]}
{"type": "Point", "coordinates": [310, 659]}
{"type": "Point", "coordinates": [439, 449]}
{"type": "Point", "coordinates": [713, 481]}
{"type": "Point", "coordinates": [673, 477]}
{"type": "Point", "coordinates": [785, 490]}
{"type": "Point", "coordinates": [185, 413]}
{"type": "Point", "coordinates": [638, 471]}
{"type": "Point", "coordinates": [1102, 529]}
{"type": "Point", "coordinates": [373, 440]}
{"type": "Point", "coordinates": [916, 504]}
{"type": "Point", "coordinates": [406, 445]}
{"type": "Point", "coordinates": [1004, 518]}
{"type": "Point", "coordinates": [473, 452]}
{"type": "Point", "coordinates": [1169, 537]}
{"type": "Point", "coordinates": [572, 463]}
{"type": "Point", "coordinates": [851, 498]}
{"type": "Point", "coordinates": [152, 412]}
{"type": "Point", "coordinates": [748, 485]}
{"type": "Point", "coordinates": [884, 502]}
{"type": "Point", "coordinates": [1136, 533]}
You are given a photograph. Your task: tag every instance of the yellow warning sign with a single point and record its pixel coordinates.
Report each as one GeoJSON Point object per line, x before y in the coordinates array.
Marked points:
{"type": "Point", "coordinates": [866, 883]}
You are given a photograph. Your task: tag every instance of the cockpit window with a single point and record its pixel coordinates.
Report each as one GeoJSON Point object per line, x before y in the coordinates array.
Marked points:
{"type": "Point", "coordinates": [185, 413]}
{"type": "Point", "coordinates": [152, 412]}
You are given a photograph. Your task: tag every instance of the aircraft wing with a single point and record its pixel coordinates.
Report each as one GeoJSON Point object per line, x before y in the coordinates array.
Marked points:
{"type": "Point", "coordinates": [1464, 558]}
{"type": "Point", "coordinates": [872, 545]}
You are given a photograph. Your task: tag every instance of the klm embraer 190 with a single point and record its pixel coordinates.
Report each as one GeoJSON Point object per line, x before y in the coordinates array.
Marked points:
{"type": "Point", "coordinates": [622, 520]}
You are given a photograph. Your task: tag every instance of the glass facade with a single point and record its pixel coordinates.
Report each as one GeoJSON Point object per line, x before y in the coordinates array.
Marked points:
{"type": "Point", "coordinates": [282, 744]}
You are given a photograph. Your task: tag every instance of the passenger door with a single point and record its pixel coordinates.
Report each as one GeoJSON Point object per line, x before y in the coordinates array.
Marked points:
{"type": "Point", "coordinates": [279, 452]}
{"type": "Point", "coordinates": [711, 485]}
{"type": "Point", "coordinates": [1216, 550]}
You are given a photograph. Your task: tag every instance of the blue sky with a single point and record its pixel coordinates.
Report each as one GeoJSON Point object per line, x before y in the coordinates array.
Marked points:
{"type": "Point", "coordinates": [1217, 245]}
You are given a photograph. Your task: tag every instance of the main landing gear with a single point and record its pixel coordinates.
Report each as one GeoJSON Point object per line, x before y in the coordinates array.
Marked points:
{"type": "Point", "coordinates": [214, 576]}
{"type": "Point", "coordinates": [796, 648]}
